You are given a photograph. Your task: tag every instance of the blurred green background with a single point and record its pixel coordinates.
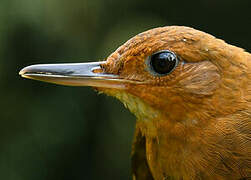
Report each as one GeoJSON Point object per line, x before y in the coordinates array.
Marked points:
{"type": "Point", "coordinates": [50, 132]}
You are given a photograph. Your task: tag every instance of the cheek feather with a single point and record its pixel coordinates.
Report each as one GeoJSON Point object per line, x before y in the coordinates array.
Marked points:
{"type": "Point", "coordinates": [200, 78]}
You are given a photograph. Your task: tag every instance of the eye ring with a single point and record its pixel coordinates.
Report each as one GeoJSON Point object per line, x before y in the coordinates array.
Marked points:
{"type": "Point", "coordinates": [162, 62]}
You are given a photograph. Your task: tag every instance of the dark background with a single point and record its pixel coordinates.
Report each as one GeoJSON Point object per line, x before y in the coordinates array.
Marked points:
{"type": "Point", "coordinates": [50, 132]}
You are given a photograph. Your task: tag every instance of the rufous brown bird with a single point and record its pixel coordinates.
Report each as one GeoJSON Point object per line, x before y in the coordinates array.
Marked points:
{"type": "Point", "coordinates": [191, 94]}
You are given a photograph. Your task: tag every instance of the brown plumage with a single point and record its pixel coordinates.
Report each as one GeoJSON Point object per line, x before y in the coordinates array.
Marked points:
{"type": "Point", "coordinates": [193, 123]}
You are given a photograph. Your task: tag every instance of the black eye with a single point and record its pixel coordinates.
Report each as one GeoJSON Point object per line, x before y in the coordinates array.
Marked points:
{"type": "Point", "coordinates": [163, 62]}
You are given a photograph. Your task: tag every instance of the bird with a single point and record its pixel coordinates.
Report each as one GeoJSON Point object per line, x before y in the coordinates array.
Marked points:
{"type": "Point", "coordinates": [190, 93]}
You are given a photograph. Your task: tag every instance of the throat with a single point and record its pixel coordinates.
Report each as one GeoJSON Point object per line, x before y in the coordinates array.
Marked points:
{"type": "Point", "coordinates": [147, 117]}
{"type": "Point", "coordinates": [140, 109]}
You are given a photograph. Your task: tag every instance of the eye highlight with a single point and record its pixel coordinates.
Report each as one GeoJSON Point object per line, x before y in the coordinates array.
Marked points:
{"type": "Point", "coordinates": [162, 63]}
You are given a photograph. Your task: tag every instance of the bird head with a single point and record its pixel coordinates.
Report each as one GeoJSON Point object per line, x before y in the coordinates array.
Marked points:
{"type": "Point", "coordinates": [173, 74]}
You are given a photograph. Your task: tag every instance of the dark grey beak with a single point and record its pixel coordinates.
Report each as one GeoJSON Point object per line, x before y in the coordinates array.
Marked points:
{"type": "Point", "coordinates": [75, 74]}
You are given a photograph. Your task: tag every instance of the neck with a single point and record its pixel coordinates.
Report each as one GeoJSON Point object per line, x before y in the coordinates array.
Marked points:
{"type": "Point", "coordinates": [152, 121]}
{"type": "Point", "coordinates": [187, 151]}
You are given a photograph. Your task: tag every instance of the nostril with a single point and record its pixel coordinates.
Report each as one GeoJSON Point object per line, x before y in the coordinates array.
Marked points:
{"type": "Point", "coordinates": [98, 70]}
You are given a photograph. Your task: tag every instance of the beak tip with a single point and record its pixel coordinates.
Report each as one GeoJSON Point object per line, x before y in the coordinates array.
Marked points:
{"type": "Point", "coordinates": [28, 70]}
{"type": "Point", "coordinates": [22, 72]}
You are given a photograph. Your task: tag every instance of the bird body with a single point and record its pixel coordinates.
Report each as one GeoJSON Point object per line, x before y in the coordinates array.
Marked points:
{"type": "Point", "coordinates": [191, 94]}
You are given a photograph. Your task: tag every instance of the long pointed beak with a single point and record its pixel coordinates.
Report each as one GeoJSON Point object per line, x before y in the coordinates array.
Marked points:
{"type": "Point", "coordinates": [75, 74]}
